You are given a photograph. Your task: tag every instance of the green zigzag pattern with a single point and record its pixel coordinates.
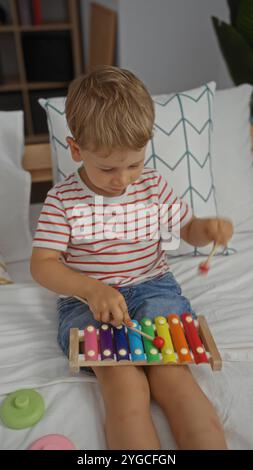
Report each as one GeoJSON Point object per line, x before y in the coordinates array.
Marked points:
{"type": "Point", "coordinates": [53, 137]}
{"type": "Point", "coordinates": [187, 154]}
{"type": "Point", "coordinates": [199, 131]}
{"type": "Point", "coordinates": [185, 95]}
{"type": "Point", "coordinates": [154, 156]}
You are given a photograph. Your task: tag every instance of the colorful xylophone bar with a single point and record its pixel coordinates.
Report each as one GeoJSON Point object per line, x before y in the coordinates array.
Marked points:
{"type": "Point", "coordinates": [186, 341]}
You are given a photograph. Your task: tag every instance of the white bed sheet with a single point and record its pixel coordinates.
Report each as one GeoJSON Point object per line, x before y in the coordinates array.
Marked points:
{"type": "Point", "coordinates": [28, 321]}
{"type": "Point", "coordinates": [76, 410]}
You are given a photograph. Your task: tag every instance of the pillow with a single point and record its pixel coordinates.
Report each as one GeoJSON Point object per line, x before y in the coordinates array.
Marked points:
{"type": "Point", "coordinates": [62, 163]}
{"type": "Point", "coordinates": [180, 148]}
{"type": "Point", "coordinates": [15, 236]}
{"type": "Point", "coordinates": [12, 137]}
{"type": "Point", "coordinates": [4, 275]}
{"type": "Point", "coordinates": [232, 157]}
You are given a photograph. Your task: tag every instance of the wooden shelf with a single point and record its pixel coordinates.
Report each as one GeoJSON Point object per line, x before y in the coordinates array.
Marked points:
{"type": "Point", "coordinates": [67, 26]}
{"type": "Point", "coordinates": [45, 27]}
{"type": "Point", "coordinates": [36, 138]}
{"type": "Point", "coordinates": [18, 86]}
{"type": "Point", "coordinates": [7, 29]}
{"type": "Point", "coordinates": [37, 160]}
{"type": "Point", "coordinates": [10, 85]}
{"type": "Point", "coordinates": [36, 28]}
{"type": "Point", "coordinates": [46, 85]}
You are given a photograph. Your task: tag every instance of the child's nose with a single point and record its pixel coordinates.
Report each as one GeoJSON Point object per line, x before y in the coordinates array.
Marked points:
{"type": "Point", "coordinates": [121, 179]}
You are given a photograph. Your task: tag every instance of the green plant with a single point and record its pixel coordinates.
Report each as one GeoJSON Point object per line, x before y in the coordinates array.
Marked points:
{"type": "Point", "coordinates": [236, 41]}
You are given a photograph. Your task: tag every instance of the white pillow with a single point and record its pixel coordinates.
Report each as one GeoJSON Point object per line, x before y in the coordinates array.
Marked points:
{"type": "Point", "coordinates": [15, 236]}
{"type": "Point", "coordinates": [232, 157]}
{"type": "Point", "coordinates": [62, 163]}
{"type": "Point", "coordinates": [12, 137]}
{"type": "Point", "coordinates": [181, 149]}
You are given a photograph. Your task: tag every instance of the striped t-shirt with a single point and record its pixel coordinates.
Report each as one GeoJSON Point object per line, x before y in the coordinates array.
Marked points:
{"type": "Point", "coordinates": [117, 240]}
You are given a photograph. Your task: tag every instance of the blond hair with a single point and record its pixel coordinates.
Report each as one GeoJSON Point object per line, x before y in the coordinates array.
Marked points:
{"type": "Point", "coordinates": [109, 108]}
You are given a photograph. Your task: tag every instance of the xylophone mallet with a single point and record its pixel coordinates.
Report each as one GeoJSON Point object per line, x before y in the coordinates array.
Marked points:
{"type": "Point", "coordinates": [158, 341]}
{"type": "Point", "coordinates": [204, 267]}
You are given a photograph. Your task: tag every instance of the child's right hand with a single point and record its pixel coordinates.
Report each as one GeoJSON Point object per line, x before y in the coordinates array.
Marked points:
{"type": "Point", "coordinates": [107, 304]}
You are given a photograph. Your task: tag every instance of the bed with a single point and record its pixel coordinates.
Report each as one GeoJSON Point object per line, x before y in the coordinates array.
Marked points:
{"type": "Point", "coordinates": [31, 358]}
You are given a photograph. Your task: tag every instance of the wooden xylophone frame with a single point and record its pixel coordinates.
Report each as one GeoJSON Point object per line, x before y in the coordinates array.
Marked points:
{"type": "Point", "coordinates": [76, 359]}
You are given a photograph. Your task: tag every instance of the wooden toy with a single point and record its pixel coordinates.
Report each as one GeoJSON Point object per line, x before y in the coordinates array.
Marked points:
{"type": "Point", "coordinates": [186, 341]}
{"type": "Point", "coordinates": [22, 409]}
{"type": "Point", "coordinates": [158, 342]}
{"type": "Point", "coordinates": [52, 442]}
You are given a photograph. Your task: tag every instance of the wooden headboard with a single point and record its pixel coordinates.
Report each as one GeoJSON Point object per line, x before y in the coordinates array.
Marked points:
{"type": "Point", "coordinates": [37, 160]}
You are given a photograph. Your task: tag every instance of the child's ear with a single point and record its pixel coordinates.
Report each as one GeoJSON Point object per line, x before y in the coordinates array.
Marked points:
{"type": "Point", "coordinates": [74, 148]}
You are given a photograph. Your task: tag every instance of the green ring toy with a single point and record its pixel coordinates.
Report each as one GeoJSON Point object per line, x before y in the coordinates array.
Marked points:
{"type": "Point", "coordinates": [22, 409]}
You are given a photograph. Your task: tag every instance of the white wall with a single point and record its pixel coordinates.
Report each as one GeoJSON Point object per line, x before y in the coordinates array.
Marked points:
{"type": "Point", "coordinates": [169, 44]}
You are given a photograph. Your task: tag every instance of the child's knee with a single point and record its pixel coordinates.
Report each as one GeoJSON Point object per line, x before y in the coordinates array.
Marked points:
{"type": "Point", "coordinates": [131, 408]}
{"type": "Point", "coordinates": [125, 390]}
{"type": "Point", "coordinates": [174, 374]}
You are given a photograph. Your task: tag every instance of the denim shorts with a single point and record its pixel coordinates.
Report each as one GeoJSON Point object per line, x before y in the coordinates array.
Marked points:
{"type": "Point", "coordinates": [158, 296]}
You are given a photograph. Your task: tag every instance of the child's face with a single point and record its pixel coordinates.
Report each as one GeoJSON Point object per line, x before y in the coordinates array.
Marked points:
{"type": "Point", "coordinates": [110, 173]}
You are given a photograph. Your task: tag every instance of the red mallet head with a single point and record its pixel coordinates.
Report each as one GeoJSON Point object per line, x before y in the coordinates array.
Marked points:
{"type": "Point", "coordinates": [203, 268]}
{"type": "Point", "coordinates": [158, 342]}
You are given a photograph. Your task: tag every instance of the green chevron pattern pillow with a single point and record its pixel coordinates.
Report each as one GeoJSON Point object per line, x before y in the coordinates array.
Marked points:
{"type": "Point", "coordinates": [181, 149]}
{"type": "Point", "coordinates": [62, 163]}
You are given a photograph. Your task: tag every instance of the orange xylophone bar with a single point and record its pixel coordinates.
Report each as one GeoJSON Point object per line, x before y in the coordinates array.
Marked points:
{"type": "Point", "coordinates": [184, 343]}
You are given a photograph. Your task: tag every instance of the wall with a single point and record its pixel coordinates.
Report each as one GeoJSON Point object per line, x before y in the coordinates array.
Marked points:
{"type": "Point", "coordinates": [169, 44]}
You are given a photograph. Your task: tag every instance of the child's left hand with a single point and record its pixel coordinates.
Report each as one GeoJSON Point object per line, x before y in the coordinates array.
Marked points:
{"type": "Point", "coordinates": [218, 230]}
{"type": "Point", "coordinates": [201, 232]}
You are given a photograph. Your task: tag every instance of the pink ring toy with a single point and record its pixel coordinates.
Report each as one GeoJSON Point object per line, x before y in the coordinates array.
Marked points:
{"type": "Point", "coordinates": [52, 442]}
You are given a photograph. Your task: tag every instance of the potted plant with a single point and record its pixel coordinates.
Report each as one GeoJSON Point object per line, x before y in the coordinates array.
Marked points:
{"type": "Point", "coordinates": [236, 41]}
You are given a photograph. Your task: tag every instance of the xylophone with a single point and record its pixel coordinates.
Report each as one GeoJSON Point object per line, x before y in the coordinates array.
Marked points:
{"type": "Point", "coordinates": [186, 341]}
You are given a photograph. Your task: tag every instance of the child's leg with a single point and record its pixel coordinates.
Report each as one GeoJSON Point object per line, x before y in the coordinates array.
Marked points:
{"type": "Point", "coordinates": [127, 403]}
{"type": "Point", "coordinates": [191, 416]}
